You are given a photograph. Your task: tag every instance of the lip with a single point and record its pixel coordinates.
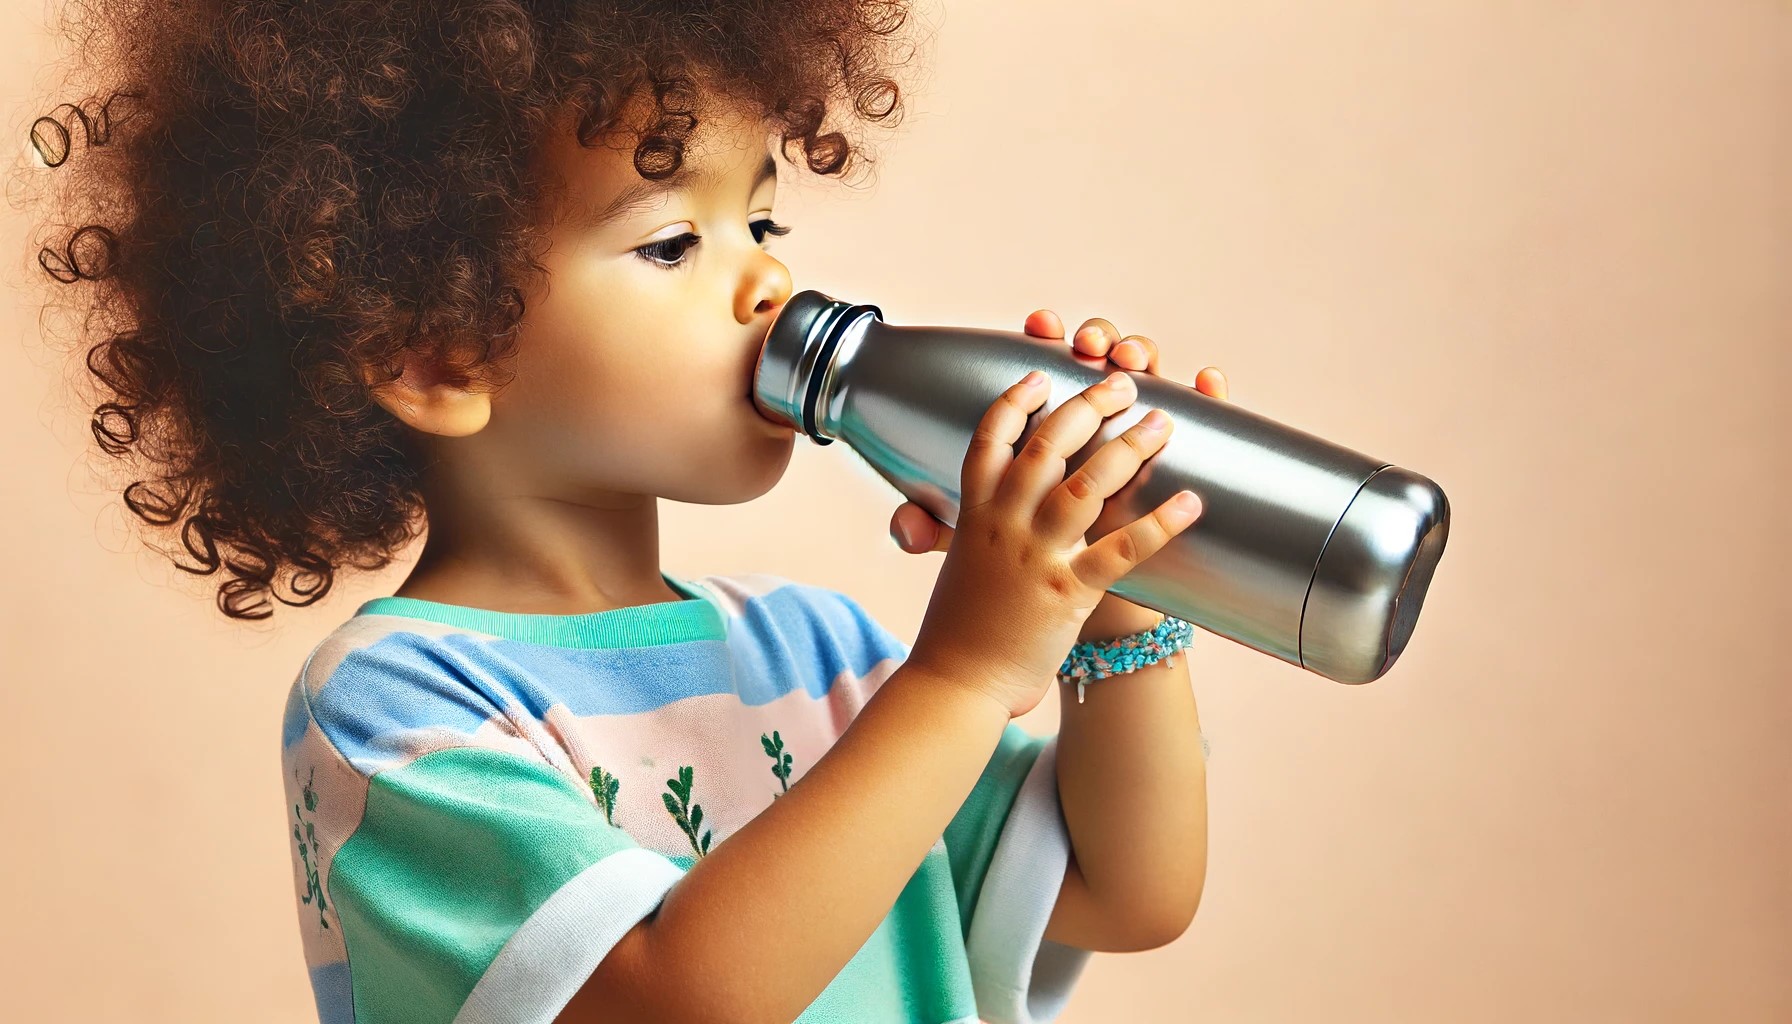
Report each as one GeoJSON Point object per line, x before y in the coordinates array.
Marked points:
{"type": "Point", "coordinates": [780, 427]}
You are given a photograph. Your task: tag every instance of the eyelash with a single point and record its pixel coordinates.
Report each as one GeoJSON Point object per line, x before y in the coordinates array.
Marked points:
{"type": "Point", "coordinates": [654, 251]}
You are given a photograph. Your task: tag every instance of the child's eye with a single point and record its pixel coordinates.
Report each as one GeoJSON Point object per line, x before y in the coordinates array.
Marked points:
{"type": "Point", "coordinates": [669, 252]}
{"type": "Point", "coordinates": [771, 227]}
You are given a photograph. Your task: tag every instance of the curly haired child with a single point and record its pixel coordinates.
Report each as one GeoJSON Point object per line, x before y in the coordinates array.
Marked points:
{"type": "Point", "coordinates": [500, 268]}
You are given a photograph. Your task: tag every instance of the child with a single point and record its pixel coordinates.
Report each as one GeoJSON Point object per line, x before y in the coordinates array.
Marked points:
{"type": "Point", "coordinates": [502, 263]}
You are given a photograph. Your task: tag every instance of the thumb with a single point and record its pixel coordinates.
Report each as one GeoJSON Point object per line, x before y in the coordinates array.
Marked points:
{"type": "Point", "coordinates": [916, 530]}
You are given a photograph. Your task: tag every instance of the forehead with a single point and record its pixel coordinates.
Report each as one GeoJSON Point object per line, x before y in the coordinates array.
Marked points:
{"type": "Point", "coordinates": [729, 150]}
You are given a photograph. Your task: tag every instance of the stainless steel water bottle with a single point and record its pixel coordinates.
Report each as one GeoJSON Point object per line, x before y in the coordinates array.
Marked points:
{"type": "Point", "coordinates": [1308, 551]}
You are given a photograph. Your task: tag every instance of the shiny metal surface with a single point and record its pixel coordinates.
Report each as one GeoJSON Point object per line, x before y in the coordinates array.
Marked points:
{"type": "Point", "coordinates": [1306, 550]}
{"type": "Point", "coordinates": [1371, 579]}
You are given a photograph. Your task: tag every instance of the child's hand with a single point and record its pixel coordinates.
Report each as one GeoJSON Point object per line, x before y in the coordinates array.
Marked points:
{"type": "Point", "coordinates": [917, 531]}
{"type": "Point", "coordinates": [1015, 590]}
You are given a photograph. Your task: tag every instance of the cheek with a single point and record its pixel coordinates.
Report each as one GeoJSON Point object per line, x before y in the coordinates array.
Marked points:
{"type": "Point", "coordinates": [579, 399]}
{"type": "Point", "coordinates": [576, 352]}
{"type": "Point", "coordinates": [630, 374]}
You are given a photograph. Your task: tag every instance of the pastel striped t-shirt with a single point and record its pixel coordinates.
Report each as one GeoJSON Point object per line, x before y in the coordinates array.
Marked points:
{"type": "Point", "coordinates": [482, 803]}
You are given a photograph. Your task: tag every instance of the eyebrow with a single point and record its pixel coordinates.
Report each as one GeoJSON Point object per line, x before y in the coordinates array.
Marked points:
{"type": "Point", "coordinates": [644, 191]}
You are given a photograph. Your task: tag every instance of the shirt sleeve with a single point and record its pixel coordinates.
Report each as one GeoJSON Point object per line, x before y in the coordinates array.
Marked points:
{"type": "Point", "coordinates": [482, 886]}
{"type": "Point", "coordinates": [456, 875]}
{"type": "Point", "coordinates": [1008, 847]}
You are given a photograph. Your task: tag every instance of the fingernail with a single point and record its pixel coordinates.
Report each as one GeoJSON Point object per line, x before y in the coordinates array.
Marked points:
{"type": "Point", "coordinates": [902, 536]}
{"type": "Point", "coordinates": [1155, 420]}
{"type": "Point", "coordinates": [1117, 379]}
{"type": "Point", "coordinates": [1188, 501]}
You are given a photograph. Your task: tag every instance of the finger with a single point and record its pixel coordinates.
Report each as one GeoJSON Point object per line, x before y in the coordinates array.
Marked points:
{"type": "Point", "coordinates": [991, 450]}
{"type": "Point", "coordinates": [905, 531]}
{"type": "Point", "coordinates": [1211, 382]}
{"type": "Point", "coordinates": [1136, 352]}
{"type": "Point", "coordinates": [1039, 466]}
{"type": "Point", "coordinates": [1105, 562]}
{"type": "Point", "coordinates": [1074, 506]}
{"type": "Point", "coordinates": [1043, 323]}
{"type": "Point", "coordinates": [1095, 336]}
{"type": "Point", "coordinates": [916, 530]}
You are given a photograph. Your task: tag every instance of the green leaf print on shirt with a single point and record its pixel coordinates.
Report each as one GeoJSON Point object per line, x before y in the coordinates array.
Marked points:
{"type": "Point", "coordinates": [774, 747]}
{"type": "Point", "coordinates": [691, 822]}
{"type": "Point", "coordinates": [604, 787]}
{"type": "Point", "coordinates": [314, 889]}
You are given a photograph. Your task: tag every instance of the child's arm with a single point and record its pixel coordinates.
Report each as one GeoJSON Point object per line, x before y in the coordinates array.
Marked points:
{"type": "Point", "coordinates": [758, 927]}
{"type": "Point", "coordinates": [1133, 785]}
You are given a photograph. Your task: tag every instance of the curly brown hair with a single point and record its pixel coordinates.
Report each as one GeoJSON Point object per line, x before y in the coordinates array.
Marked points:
{"type": "Point", "coordinates": [277, 199]}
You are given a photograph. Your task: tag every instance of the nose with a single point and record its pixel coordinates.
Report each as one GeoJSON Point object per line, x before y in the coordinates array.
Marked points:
{"type": "Point", "coordinates": [763, 289]}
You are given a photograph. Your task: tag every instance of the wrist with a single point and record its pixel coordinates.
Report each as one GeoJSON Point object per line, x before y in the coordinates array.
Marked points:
{"type": "Point", "coordinates": [1104, 654]}
{"type": "Point", "coordinates": [1116, 617]}
{"type": "Point", "coordinates": [956, 684]}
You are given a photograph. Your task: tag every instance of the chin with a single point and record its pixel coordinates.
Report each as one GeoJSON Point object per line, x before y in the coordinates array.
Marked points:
{"type": "Point", "coordinates": [772, 470]}
{"type": "Point", "coordinates": [747, 472]}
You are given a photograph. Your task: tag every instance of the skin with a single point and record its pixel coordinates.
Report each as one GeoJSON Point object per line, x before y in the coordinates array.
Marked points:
{"type": "Point", "coordinates": [631, 382]}
{"type": "Point", "coordinates": [916, 530]}
{"type": "Point", "coordinates": [1131, 779]}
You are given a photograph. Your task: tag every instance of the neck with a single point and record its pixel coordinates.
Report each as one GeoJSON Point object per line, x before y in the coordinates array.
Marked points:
{"type": "Point", "coordinates": [505, 548]}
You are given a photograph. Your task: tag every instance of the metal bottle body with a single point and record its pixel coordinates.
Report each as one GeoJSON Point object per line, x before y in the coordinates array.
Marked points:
{"type": "Point", "coordinates": [1305, 550]}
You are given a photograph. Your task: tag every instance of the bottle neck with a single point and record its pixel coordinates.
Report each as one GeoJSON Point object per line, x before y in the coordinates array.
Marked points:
{"type": "Point", "coordinates": [825, 390]}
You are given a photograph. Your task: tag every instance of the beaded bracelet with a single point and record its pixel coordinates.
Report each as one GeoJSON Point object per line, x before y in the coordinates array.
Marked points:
{"type": "Point", "coordinates": [1093, 659]}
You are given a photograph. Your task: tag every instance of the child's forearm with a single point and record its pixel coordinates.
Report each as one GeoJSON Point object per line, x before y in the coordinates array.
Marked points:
{"type": "Point", "coordinates": [763, 922]}
{"type": "Point", "coordinates": [1132, 782]}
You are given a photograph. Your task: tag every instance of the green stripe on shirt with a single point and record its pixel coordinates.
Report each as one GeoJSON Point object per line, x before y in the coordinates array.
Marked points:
{"type": "Point", "coordinates": [453, 853]}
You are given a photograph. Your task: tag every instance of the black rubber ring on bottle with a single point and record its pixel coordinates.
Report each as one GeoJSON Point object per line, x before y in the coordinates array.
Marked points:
{"type": "Point", "coordinates": [836, 330]}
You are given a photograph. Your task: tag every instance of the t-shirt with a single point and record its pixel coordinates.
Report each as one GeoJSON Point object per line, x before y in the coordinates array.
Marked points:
{"type": "Point", "coordinates": [482, 803]}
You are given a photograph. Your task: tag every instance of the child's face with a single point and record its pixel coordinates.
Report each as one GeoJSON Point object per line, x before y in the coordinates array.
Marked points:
{"type": "Point", "coordinates": [634, 369]}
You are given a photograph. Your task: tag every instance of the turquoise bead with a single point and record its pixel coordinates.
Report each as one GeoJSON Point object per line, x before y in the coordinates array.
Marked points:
{"type": "Point", "coordinates": [1092, 660]}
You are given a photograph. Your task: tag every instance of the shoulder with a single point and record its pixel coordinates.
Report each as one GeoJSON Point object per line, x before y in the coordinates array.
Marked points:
{"type": "Point", "coordinates": [383, 689]}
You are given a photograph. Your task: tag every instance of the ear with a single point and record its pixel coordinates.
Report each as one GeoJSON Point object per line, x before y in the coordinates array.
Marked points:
{"type": "Point", "coordinates": [427, 400]}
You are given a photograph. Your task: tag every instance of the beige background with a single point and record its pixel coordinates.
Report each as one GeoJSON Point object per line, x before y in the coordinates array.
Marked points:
{"type": "Point", "coordinates": [1539, 251]}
